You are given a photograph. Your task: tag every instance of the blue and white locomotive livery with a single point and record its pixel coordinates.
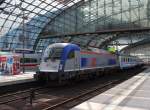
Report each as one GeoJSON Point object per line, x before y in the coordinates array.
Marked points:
{"type": "Point", "coordinates": [66, 60]}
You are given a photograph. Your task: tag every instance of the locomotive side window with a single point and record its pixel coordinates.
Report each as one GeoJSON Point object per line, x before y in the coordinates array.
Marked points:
{"type": "Point", "coordinates": [71, 55]}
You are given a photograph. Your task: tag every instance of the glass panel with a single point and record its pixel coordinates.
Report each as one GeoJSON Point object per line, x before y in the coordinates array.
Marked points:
{"type": "Point", "coordinates": [37, 14]}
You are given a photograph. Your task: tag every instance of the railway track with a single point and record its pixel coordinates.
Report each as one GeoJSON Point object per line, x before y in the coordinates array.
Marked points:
{"type": "Point", "coordinates": [29, 96]}
{"type": "Point", "coordinates": [59, 98]}
{"type": "Point", "coordinates": [79, 98]}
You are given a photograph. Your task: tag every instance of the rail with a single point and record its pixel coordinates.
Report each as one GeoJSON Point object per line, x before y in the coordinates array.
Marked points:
{"type": "Point", "coordinates": [82, 95]}
{"type": "Point", "coordinates": [32, 91]}
{"type": "Point", "coordinates": [31, 95]}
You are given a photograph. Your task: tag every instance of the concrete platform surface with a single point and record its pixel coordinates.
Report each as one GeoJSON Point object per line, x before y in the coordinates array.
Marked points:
{"type": "Point", "coordinates": [133, 94]}
{"type": "Point", "coordinates": [16, 79]}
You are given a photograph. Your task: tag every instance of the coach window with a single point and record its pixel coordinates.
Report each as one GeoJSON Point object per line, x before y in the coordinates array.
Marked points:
{"type": "Point", "coordinates": [27, 60]}
{"type": "Point", "coordinates": [71, 55]}
{"type": "Point", "coordinates": [21, 60]}
{"type": "Point", "coordinates": [35, 60]}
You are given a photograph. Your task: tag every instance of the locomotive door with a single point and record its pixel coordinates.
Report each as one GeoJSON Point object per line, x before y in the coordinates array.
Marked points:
{"type": "Point", "coordinates": [70, 62]}
{"type": "Point", "coordinates": [77, 60]}
{"type": "Point", "coordinates": [73, 59]}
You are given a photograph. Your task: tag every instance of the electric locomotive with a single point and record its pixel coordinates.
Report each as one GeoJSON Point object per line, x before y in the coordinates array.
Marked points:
{"type": "Point", "coordinates": [62, 61]}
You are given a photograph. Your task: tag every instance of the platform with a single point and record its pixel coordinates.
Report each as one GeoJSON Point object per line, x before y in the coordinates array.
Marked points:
{"type": "Point", "coordinates": [16, 79]}
{"type": "Point", "coordinates": [133, 94]}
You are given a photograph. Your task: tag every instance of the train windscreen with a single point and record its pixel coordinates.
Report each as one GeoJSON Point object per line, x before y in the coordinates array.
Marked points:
{"type": "Point", "coordinates": [53, 53]}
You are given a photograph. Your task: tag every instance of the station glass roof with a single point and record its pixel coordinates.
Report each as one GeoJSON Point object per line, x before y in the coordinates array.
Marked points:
{"type": "Point", "coordinates": [23, 21]}
{"type": "Point", "coordinates": [35, 14]}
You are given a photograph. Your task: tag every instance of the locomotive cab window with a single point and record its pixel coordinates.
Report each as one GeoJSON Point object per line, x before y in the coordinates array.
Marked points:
{"type": "Point", "coordinates": [53, 53]}
{"type": "Point", "coordinates": [56, 53]}
{"type": "Point", "coordinates": [71, 55]}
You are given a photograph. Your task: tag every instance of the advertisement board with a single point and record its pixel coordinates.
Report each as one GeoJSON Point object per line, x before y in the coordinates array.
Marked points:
{"type": "Point", "coordinates": [9, 64]}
